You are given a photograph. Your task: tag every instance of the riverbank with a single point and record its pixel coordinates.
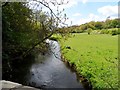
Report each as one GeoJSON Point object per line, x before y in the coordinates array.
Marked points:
{"type": "Point", "coordinates": [94, 57]}
{"type": "Point", "coordinates": [85, 82]}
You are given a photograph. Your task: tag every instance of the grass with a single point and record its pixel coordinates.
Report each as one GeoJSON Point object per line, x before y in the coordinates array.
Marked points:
{"type": "Point", "coordinates": [95, 57]}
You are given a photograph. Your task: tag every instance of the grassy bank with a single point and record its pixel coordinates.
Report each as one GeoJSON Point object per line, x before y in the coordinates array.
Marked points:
{"type": "Point", "coordinates": [95, 57]}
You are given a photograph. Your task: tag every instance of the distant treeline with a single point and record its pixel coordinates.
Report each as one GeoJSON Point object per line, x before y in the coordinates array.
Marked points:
{"type": "Point", "coordinates": [99, 25]}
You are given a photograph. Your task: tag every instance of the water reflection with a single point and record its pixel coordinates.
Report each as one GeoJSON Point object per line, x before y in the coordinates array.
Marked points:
{"type": "Point", "coordinates": [49, 71]}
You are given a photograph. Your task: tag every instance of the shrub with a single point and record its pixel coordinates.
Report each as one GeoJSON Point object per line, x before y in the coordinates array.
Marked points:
{"type": "Point", "coordinates": [114, 32]}
{"type": "Point", "coordinates": [89, 30]}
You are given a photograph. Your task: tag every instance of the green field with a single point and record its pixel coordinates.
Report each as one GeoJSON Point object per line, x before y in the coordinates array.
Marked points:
{"type": "Point", "coordinates": [95, 57]}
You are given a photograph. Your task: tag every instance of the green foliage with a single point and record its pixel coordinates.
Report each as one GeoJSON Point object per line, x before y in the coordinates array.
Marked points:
{"type": "Point", "coordinates": [89, 30]}
{"type": "Point", "coordinates": [95, 57]}
{"type": "Point", "coordinates": [17, 27]}
{"type": "Point", "coordinates": [83, 27]}
{"type": "Point", "coordinates": [25, 29]}
{"type": "Point", "coordinates": [21, 32]}
{"type": "Point", "coordinates": [99, 25]}
{"type": "Point", "coordinates": [114, 23]}
{"type": "Point", "coordinates": [105, 31]}
{"type": "Point", "coordinates": [113, 31]}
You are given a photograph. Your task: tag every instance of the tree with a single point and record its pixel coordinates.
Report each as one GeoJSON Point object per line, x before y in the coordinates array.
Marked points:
{"type": "Point", "coordinates": [107, 24]}
{"type": "Point", "coordinates": [114, 23]}
{"type": "Point", "coordinates": [98, 25]}
{"type": "Point", "coordinates": [89, 30]}
{"type": "Point", "coordinates": [83, 27]}
{"type": "Point", "coordinates": [24, 29]}
{"type": "Point", "coordinates": [16, 33]}
{"type": "Point", "coordinates": [91, 25]}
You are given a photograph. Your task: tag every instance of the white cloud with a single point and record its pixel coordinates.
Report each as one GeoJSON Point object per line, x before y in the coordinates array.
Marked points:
{"type": "Point", "coordinates": [91, 17]}
{"type": "Point", "coordinates": [103, 13]}
{"type": "Point", "coordinates": [70, 21]}
{"type": "Point", "coordinates": [36, 5]}
{"type": "Point", "coordinates": [65, 4]}
{"type": "Point", "coordinates": [77, 14]}
{"type": "Point", "coordinates": [84, 1]}
{"type": "Point", "coordinates": [70, 4]}
{"type": "Point", "coordinates": [108, 10]}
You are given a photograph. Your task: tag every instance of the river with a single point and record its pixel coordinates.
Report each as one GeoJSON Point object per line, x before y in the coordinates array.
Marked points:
{"type": "Point", "coordinates": [49, 71]}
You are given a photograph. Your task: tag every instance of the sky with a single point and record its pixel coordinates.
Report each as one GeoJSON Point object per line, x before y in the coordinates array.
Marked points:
{"type": "Point", "coordinates": [83, 11]}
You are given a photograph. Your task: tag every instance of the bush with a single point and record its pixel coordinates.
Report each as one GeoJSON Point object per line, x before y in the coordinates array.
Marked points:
{"type": "Point", "coordinates": [114, 32]}
{"type": "Point", "coordinates": [89, 30]}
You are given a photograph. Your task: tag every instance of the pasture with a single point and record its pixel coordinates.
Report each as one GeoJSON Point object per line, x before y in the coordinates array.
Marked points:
{"type": "Point", "coordinates": [95, 57]}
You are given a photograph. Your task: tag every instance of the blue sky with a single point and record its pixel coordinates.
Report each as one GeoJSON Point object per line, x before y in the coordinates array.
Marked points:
{"type": "Point", "coordinates": [81, 13]}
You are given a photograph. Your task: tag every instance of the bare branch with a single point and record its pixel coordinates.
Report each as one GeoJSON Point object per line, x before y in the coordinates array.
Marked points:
{"type": "Point", "coordinates": [52, 13]}
{"type": "Point", "coordinates": [3, 5]}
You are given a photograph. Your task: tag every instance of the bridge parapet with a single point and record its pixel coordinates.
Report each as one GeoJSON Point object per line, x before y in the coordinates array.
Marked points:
{"type": "Point", "coordinates": [8, 85]}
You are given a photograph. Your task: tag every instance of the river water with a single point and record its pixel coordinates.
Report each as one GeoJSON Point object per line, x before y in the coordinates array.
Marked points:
{"type": "Point", "coordinates": [49, 71]}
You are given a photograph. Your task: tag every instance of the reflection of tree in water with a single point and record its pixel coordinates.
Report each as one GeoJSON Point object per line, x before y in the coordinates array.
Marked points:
{"type": "Point", "coordinates": [19, 71]}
